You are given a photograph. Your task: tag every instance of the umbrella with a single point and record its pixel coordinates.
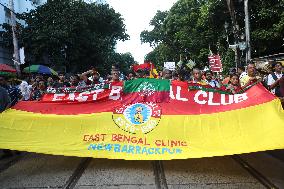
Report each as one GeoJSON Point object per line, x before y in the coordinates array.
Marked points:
{"type": "Point", "coordinates": [9, 74]}
{"type": "Point", "coordinates": [39, 69]}
{"type": "Point", "coordinates": [6, 70]}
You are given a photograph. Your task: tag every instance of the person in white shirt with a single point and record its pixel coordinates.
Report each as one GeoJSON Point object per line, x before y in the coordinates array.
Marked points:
{"type": "Point", "coordinates": [274, 79]}
{"type": "Point", "coordinates": [241, 72]}
{"type": "Point", "coordinates": [25, 89]}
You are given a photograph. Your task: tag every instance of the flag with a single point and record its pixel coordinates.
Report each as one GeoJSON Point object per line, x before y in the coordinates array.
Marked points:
{"type": "Point", "coordinates": [153, 73]}
{"type": "Point", "coordinates": [145, 66]}
{"type": "Point", "coordinates": [22, 55]}
{"type": "Point", "coordinates": [190, 64]}
{"type": "Point", "coordinates": [149, 66]}
{"type": "Point", "coordinates": [215, 63]}
{"type": "Point", "coordinates": [146, 90]}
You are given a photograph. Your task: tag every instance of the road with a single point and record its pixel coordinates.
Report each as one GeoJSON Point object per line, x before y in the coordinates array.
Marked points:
{"type": "Point", "coordinates": [38, 171]}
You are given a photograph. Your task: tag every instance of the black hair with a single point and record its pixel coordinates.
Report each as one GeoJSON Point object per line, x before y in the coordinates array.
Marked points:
{"type": "Point", "coordinates": [241, 67]}
{"type": "Point", "coordinates": [115, 67]}
{"type": "Point", "coordinates": [234, 74]}
{"type": "Point", "coordinates": [275, 63]}
{"type": "Point", "coordinates": [208, 71]}
{"type": "Point", "coordinates": [175, 74]}
{"type": "Point", "coordinates": [181, 74]}
{"type": "Point", "coordinates": [141, 71]}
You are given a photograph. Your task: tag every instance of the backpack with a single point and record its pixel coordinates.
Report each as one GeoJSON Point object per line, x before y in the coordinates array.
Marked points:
{"type": "Point", "coordinates": [277, 88]}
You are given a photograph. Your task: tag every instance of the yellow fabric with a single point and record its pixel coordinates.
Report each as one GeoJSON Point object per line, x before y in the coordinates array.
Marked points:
{"type": "Point", "coordinates": [244, 80]}
{"type": "Point", "coordinates": [202, 82]}
{"type": "Point", "coordinates": [153, 73]}
{"type": "Point", "coordinates": [252, 129]}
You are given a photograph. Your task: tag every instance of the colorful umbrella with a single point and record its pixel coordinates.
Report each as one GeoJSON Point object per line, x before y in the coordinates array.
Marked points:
{"type": "Point", "coordinates": [6, 68]}
{"type": "Point", "coordinates": [39, 69]}
{"type": "Point", "coordinates": [8, 74]}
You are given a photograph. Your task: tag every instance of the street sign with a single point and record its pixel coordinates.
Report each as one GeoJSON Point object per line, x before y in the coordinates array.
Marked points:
{"type": "Point", "coordinates": [242, 46]}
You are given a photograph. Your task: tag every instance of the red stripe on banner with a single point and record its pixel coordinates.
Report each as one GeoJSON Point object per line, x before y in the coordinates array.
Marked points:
{"type": "Point", "coordinates": [183, 102]}
{"type": "Point", "coordinates": [201, 102]}
{"type": "Point", "coordinates": [157, 97]}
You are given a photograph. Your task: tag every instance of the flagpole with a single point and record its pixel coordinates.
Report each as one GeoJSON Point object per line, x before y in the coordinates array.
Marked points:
{"type": "Point", "coordinates": [151, 69]}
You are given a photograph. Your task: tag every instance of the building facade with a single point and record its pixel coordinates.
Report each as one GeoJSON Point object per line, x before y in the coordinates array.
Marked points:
{"type": "Point", "coordinates": [20, 6]}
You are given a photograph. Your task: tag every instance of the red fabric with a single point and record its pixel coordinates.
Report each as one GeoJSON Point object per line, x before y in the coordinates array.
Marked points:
{"type": "Point", "coordinates": [158, 96]}
{"type": "Point", "coordinates": [145, 66]}
{"type": "Point", "coordinates": [181, 103]}
{"type": "Point", "coordinates": [6, 68]}
{"type": "Point", "coordinates": [87, 96]}
{"type": "Point", "coordinates": [215, 63]}
{"type": "Point", "coordinates": [281, 83]}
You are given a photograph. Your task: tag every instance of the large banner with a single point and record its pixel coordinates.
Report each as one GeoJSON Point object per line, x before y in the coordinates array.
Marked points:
{"type": "Point", "coordinates": [145, 119]}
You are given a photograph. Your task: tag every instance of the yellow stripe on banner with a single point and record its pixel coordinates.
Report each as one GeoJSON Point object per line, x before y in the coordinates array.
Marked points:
{"type": "Point", "coordinates": [252, 129]}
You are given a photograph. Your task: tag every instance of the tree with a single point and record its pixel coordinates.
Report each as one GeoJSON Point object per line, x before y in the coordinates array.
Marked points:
{"type": "Point", "coordinates": [72, 33]}
{"type": "Point", "coordinates": [155, 36]}
{"type": "Point", "coordinates": [122, 60]}
{"type": "Point", "coordinates": [188, 29]}
{"type": "Point", "coordinates": [190, 26]}
{"type": "Point", "coordinates": [267, 26]}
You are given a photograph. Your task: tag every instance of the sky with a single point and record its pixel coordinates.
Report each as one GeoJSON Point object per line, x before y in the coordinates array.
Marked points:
{"type": "Point", "coordinates": [137, 15]}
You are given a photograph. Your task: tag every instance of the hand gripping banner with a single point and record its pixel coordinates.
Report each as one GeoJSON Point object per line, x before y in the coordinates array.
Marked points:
{"type": "Point", "coordinates": [145, 119]}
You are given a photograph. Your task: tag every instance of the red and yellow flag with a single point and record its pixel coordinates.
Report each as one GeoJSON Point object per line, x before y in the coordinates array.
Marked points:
{"type": "Point", "coordinates": [103, 123]}
{"type": "Point", "coordinates": [149, 66]}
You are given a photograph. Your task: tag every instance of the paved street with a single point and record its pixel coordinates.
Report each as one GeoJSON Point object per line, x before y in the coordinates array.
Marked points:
{"type": "Point", "coordinates": [31, 171]}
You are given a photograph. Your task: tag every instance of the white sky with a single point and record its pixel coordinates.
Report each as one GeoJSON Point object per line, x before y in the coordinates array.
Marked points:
{"type": "Point", "coordinates": [137, 15]}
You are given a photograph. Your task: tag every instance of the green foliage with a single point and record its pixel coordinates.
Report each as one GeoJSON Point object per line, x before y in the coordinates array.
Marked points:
{"type": "Point", "coordinates": [155, 36]}
{"type": "Point", "coordinates": [267, 26]}
{"type": "Point", "coordinates": [123, 60]}
{"type": "Point", "coordinates": [188, 29]}
{"type": "Point", "coordinates": [159, 55]}
{"type": "Point", "coordinates": [191, 26]}
{"type": "Point", "coordinates": [228, 60]}
{"type": "Point", "coordinates": [73, 33]}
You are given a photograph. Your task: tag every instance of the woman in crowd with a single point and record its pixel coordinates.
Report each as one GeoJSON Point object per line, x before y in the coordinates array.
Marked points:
{"type": "Point", "coordinates": [234, 84]}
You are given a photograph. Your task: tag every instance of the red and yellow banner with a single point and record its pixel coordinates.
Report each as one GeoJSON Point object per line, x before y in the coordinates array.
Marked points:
{"type": "Point", "coordinates": [190, 124]}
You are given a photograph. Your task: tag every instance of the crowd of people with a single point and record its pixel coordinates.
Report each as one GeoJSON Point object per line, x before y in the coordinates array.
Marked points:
{"type": "Point", "coordinates": [34, 87]}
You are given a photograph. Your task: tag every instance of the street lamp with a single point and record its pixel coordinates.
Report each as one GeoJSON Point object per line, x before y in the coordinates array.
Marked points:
{"type": "Point", "coordinates": [235, 46]}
